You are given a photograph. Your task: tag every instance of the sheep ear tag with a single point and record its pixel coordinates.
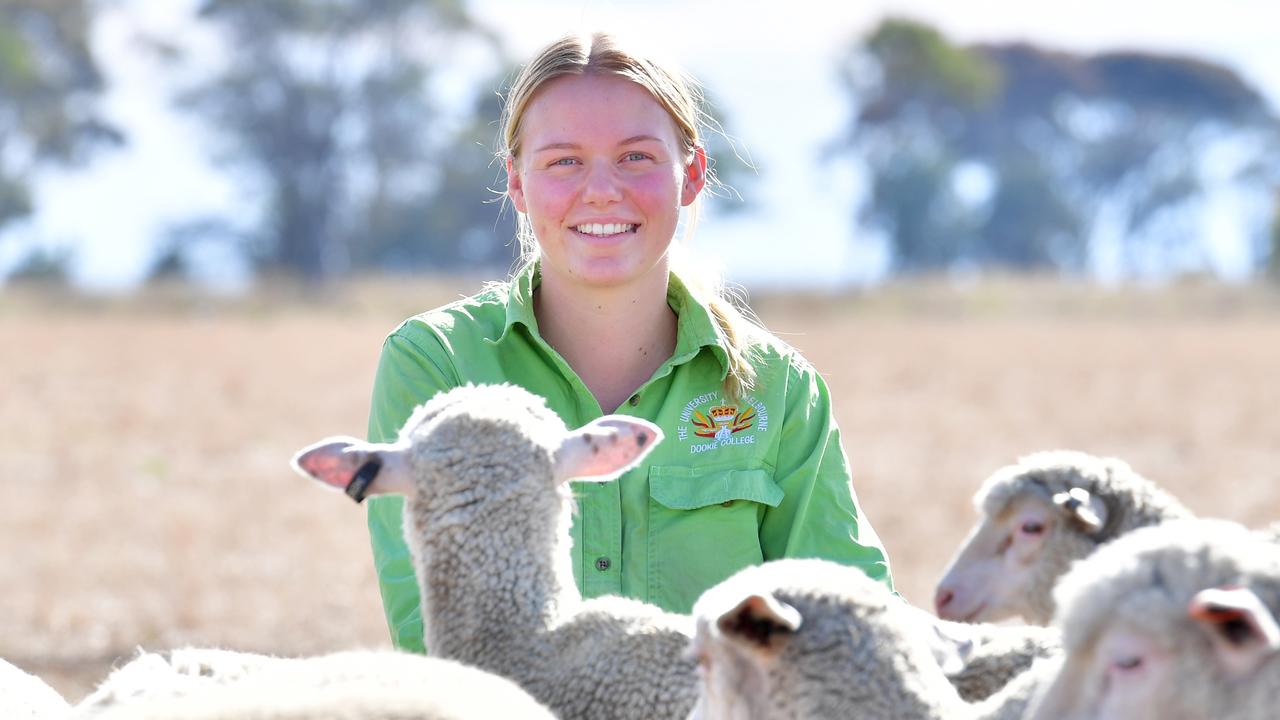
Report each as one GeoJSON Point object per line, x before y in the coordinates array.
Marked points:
{"type": "Point", "coordinates": [356, 467]}
{"type": "Point", "coordinates": [1244, 632]}
{"type": "Point", "coordinates": [605, 448]}
{"type": "Point", "coordinates": [1085, 510]}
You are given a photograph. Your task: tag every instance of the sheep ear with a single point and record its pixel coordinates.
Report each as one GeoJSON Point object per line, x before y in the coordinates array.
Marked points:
{"type": "Point", "coordinates": [605, 448]}
{"type": "Point", "coordinates": [356, 467]}
{"type": "Point", "coordinates": [1243, 630]}
{"type": "Point", "coordinates": [1086, 510]}
{"type": "Point", "coordinates": [762, 622]}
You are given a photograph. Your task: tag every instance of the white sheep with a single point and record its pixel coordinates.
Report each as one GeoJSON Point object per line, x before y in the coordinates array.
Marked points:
{"type": "Point", "coordinates": [24, 696]}
{"type": "Point", "coordinates": [1175, 622]}
{"type": "Point", "coordinates": [979, 659]}
{"type": "Point", "coordinates": [368, 685]}
{"type": "Point", "coordinates": [485, 472]}
{"type": "Point", "coordinates": [809, 639]}
{"type": "Point", "coordinates": [1039, 516]}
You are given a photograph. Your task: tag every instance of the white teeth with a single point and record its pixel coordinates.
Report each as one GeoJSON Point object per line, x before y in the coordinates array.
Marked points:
{"type": "Point", "coordinates": [605, 229]}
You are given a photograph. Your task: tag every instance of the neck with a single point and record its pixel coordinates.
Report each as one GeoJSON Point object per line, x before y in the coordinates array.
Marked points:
{"type": "Point", "coordinates": [510, 598]}
{"type": "Point", "coordinates": [614, 338]}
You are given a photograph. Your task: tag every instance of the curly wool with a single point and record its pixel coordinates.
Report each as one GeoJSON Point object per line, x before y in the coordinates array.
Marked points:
{"type": "Point", "coordinates": [858, 652]}
{"type": "Point", "coordinates": [999, 654]}
{"type": "Point", "coordinates": [488, 529]}
{"type": "Point", "coordinates": [1132, 501]}
{"type": "Point", "coordinates": [358, 685]}
{"type": "Point", "coordinates": [1141, 586]}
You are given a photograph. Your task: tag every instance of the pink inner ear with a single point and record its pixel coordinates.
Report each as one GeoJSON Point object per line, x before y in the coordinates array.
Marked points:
{"type": "Point", "coordinates": [328, 463]}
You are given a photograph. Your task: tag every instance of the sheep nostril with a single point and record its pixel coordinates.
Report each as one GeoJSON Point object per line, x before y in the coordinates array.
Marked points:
{"type": "Point", "coordinates": [943, 599]}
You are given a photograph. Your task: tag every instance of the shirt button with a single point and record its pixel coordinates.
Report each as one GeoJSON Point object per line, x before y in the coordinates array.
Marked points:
{"type": "Point", "coordinates": [602, 564]}
{"type": "Point", "coordinates": [635, 400]}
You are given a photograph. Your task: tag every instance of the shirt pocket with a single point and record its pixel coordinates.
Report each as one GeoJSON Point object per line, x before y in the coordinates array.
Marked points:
{"type": "Point", "coordinates": [704, 525]}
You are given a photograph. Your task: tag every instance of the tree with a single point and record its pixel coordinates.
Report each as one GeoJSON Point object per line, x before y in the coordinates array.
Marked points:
{"type": "Point", "coordinates": [1013, 155]}
{"type": "Point", "coordinates": [49, 81]}
{"type": "Point", "coordinates": [328, 106]}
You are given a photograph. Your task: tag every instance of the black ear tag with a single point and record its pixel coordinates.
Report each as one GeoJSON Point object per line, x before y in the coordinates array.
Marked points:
{"type": "Point", "coordinates": [359, 484]}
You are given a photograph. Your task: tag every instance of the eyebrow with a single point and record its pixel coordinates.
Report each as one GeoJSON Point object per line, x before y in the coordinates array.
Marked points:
{"type": "Point", "coordinates": [574, 146]}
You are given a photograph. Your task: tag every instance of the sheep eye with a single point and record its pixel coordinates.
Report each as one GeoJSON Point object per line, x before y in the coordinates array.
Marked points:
{"type": "Point", "coordinates": [1032, 527]}
{"type": "Point", "coordinates": [1128, 664]}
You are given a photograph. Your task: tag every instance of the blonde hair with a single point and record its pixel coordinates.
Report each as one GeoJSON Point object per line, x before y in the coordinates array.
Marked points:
{"type": "Point", "coordinates": [680, 96]}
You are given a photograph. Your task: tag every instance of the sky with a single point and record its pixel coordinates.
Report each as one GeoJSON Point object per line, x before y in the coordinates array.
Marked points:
{"type": "Point", "coordinates": [770, 64]}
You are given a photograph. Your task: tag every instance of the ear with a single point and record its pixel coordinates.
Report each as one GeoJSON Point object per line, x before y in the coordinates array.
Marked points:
{"type": "Point", "coordinates": [356, 467]}
{"type": "Point", "coordinates": [695, 176]}
{"type": "Point", "coordinates": [1083, 509]}
{"type": "Point", "coordinates": [605, 448]}
{"type": "Point", "coordinates": [1242, 628]}
{"type": "Point", "coordinates": [515, 186]}
{"type": "Point", "coordinates": [761, 622]}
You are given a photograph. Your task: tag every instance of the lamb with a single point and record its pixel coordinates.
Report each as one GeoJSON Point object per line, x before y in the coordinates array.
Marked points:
{"type": "Point", "coordinates": [980, 659]}
{"type": "Point", "coordinates": [795, 639]}
{"type": "Point", "coordinates": [485, 473]}
{"type": "Point", "coordinates": [24, 696]}
{"type": "Point", "coordinates": [1175, 622]}
{"type": "Point", "coordinates": [370, 685]}
{"type": "Point", "coordinates": [1040, 515]}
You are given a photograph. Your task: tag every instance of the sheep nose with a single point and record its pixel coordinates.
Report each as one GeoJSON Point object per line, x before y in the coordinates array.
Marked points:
{"type": "Point", "coordinates": [942, 599]}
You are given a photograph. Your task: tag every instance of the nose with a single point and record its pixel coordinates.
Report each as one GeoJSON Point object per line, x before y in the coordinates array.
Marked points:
{"type": "Point", "coordinates": [942, 599]}
{"type": "Point", "coordinates": [602, 186]}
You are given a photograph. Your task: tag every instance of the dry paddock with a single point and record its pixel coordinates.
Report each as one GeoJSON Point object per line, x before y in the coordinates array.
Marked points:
{"type": "Point", "coordinates": [147, 501]}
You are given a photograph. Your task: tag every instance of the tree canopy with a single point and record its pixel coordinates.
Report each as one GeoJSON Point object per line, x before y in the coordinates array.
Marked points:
{"type": "Point", "coordinates": [1013, 155]}
{"type": "Point", "coordinates": [49, 82]}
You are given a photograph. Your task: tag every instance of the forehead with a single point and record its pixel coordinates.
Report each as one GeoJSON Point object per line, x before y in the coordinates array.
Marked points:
{"type": "Point", "coordinates": [589, 109]}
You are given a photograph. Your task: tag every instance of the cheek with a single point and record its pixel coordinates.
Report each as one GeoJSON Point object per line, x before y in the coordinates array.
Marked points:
{"type": "Point", "coordinates": [547, 197]}
{"type": "Point", "coordinates": [657, 189]}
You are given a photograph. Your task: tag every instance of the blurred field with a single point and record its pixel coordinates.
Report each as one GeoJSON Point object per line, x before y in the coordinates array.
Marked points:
{"type": "Point", "coordinates": [144, 442]}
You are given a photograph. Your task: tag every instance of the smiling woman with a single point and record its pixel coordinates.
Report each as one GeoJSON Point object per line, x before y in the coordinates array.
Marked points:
{"type": "Point", "coordinates": [603, 150]}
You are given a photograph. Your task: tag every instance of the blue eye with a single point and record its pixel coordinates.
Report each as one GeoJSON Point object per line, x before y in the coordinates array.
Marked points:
{"type": "Point", "coordinates": [564, 161]}
{"type": "Point", "coordinates": [637, 156]}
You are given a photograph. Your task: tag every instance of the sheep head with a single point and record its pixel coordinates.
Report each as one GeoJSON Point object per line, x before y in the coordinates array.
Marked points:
{"type": "Point", "coordinates": [1173, 622]}
{"type": "Point", "coordinates": [476, 444]}
{"type": "Point", "coordinates": [1038, 516]}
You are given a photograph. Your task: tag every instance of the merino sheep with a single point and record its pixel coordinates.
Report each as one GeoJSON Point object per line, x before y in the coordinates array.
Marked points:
{"type": "Point", "coordinates": [1039, 516]}
{"type": "Point", "coordinates": [795, 639]}
{"type": "Point", "coordinates": [364, 685]}
{"type": "Point", "coordinates": [980, 659]}
{"type": "Point", "coordinates": [24, 696]}
{"type": "Point", "coordinates": [485, 471]}
{"type": "Point", "coordinates": [1176, 622]}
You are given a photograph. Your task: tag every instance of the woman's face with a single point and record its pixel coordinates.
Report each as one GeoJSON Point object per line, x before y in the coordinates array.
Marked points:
{"type": "Point", "coordinates": [602, 176]}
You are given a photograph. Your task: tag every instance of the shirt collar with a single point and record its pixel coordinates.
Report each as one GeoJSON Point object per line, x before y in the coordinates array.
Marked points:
{"type": "Point", "coordinates": [695, 329]}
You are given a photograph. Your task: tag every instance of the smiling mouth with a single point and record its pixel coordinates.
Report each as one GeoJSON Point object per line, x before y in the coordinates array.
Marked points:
{"type": "Point", "coordinates": [605, 229]}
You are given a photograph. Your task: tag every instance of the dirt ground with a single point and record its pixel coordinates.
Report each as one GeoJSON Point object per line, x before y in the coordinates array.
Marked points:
{"type": "Point", "coordinates": [147, 500]}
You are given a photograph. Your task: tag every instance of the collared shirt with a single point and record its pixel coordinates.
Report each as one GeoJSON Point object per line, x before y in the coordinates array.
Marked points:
{"type": "Point", "coordinates": [735, 481]}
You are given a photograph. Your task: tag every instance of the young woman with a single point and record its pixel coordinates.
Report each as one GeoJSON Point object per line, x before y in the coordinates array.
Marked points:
{"type": "Point", "coordinates": [602, 150]}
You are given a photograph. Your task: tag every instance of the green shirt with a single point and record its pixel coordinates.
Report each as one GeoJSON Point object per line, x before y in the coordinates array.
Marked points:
{"type": "Point", "coordinates": [734, 483]}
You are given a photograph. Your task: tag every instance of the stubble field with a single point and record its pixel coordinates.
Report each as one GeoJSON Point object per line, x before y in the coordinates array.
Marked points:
{"type": "Point", "coordinates": [144, 443]}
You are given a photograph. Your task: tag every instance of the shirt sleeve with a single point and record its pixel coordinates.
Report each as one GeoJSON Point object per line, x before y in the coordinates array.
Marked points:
{"type": "Point", "coordinates": [407, 376]}
{"type": "Point", "coordinates": [819, 516]}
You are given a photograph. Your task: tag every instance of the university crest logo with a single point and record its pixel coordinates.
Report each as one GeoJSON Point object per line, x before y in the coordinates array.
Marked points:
{"type": "Point", "coordinates": [709, 422]}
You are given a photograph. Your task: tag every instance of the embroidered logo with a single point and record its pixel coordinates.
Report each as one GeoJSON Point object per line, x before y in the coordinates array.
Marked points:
{"type": "Point", "coordinates": [710, 417]}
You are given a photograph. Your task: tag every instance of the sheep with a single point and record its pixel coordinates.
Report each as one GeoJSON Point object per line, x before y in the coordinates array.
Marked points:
{"type": "Point", "coordinates": [180, 671]}
{"type": "Point", "coordinates": [980, 659]}
{"type": "Point", "coordinates": [794, 639]}
{"type": "Point", "coordinates": [1040, 515]}
{"type": "Point", "coordinates": [370, 685]}
{"type": "Point", "coordinates": [485, 472]}
{"type": "Point", "coordinates": [1176, 622]}
{"type": "Point", "coordinates": [24, 696]}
